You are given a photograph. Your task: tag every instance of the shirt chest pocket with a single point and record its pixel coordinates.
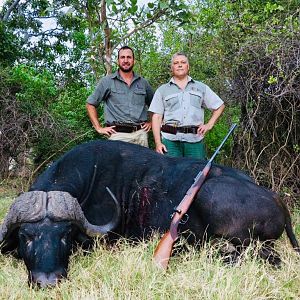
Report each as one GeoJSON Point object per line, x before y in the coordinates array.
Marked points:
{"type": "Point", "coordinates": [117, 96]}
{"type": "Point", "coordinates": [196, 99]}
{"type": "Point", "coordinates": [171, 102]}
{"type": "Point", "coordinates": [139, 96]}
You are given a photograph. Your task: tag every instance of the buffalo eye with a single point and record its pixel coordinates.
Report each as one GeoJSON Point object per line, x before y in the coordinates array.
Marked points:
{"type": "Point", "coordinates": [65, 236]}
{"type": "Point", "coordinates": [26, 238]}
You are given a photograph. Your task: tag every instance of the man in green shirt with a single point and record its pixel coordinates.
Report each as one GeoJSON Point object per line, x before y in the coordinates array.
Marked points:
{"type": "Point", "coordinates": [126, 98]}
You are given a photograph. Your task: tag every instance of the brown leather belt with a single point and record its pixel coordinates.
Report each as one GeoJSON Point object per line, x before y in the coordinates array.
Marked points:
{"type": "Point", "coordinates": [181, 129]}
{"type": "Point", "coordinates": [125, 127]}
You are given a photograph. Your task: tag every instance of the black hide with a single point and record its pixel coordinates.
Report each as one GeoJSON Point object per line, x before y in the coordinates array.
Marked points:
{"type": "Point", "coordinates": [149, 185]}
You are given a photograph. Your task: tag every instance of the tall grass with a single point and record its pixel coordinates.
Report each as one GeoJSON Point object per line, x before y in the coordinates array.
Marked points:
{"type": "Point", "coordinates": [126, 271]}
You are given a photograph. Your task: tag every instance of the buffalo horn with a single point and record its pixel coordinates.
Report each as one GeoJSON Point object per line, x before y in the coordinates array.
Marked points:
{"type": "Point", "coordinates": [28, 207]}
{"type": "Point", "coordinates": [62, 206]}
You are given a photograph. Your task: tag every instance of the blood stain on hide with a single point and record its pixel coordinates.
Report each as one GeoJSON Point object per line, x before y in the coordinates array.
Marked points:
{"type": "Point", "coordinates": [145, 197]}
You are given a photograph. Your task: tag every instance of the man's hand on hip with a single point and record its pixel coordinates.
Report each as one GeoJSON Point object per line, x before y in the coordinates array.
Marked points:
{"type": "Point", "coordinates": [107, 131]}
{"type": "Point", "coordinates": [146, 126]}
{"type": "Point", "coordinates": [203, 129]}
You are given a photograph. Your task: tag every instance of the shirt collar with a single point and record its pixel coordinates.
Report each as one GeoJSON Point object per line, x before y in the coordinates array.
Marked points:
{"type": "Point", "coordinates": [117, 75]}
{"type": "Point", "coordinates": [172, 80]}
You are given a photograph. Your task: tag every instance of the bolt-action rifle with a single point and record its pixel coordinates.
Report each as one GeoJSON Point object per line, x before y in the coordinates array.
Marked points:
{"type": "Point", "coordinates": [164, 248]}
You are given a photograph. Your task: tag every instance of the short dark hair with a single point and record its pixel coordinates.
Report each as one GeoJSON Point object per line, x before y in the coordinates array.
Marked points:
{"type": "Point", "coordinates": [125, 48]}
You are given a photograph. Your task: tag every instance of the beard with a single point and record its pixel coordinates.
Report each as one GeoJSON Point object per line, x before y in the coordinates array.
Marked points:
{"type": "Point", "coordinates": [126, 70]}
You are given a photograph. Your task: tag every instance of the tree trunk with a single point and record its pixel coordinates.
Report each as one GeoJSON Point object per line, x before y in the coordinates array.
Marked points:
{"type": "Point", "coordinates": [107, 38]}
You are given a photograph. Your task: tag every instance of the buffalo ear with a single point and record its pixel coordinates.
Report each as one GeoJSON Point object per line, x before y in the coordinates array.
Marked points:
{"type": "Point", "coordinates": [84, 241]}
{"type": "Point", "coordinates": [10, 244]}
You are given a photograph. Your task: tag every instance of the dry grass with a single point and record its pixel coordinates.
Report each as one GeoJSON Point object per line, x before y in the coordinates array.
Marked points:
{"type": "Point", "coordinates": [126, 272]}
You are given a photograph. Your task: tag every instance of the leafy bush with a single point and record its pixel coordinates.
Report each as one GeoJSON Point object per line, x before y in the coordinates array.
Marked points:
{"type": "Point", "coordinates": [70, 107]}
{"type": "Point", "coordinates": [9, 46]}
{"type": "Point", "coordinates": [27, 124]}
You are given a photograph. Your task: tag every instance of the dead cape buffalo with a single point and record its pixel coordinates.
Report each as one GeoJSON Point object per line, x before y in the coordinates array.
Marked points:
{"type": "Point", "coordinates": [70, 202]}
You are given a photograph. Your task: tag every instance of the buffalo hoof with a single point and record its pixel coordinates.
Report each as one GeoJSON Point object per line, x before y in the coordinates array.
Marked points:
{"type": "Point", "coordinates": [231, 259]}
{"type": "Point", "coordinates": [270, 255]}
{"type": "Point", "coordinates": [230, 254]}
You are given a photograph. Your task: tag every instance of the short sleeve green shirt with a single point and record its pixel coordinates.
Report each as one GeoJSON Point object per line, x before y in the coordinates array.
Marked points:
{"type": "Point", "coordinates": [184, 107]}
{"type": "Point", "coordinates": [123, 103]}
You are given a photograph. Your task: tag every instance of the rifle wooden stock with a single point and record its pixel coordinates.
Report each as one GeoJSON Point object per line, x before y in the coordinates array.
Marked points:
{"type": "Point", "coordinates": [164, 248]}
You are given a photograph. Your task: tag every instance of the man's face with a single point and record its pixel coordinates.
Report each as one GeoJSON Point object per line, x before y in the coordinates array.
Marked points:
{"type": "Point", "coordinates": [126, 60]}
{"type": "Point", "coordinates": [180, 66]}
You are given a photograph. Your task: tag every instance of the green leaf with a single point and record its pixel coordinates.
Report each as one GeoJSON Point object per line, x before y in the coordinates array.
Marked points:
{"type": "Point", "coordinates": [114, 8]}
{"type": "Point", "coordinates": [272, 79]}
{"type": "Point", "coordinates": [134, 9]}
{"type": "Point", "coordinates": [49, 9]}
{"type": "Point", "coordinates": [163, 4]}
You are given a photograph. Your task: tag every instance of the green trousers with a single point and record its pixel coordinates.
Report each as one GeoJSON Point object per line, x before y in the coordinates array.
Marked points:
{"type": "Point", "coordinates": [185, 149]}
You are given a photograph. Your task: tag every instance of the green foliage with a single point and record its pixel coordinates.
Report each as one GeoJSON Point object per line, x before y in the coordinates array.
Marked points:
{"type": "Point", "coordinates": [214, 137]}
{"type": "Point", "coordinates": [9, 46]}
{"type": "Point", "coordinates": [256, 42]}
{"type": "Point", "coordinates": [37, 87]}
{"type": "Point", "coordinates": [149, 62]}
{"type": "Point", "coordinates": [49, 120]}
{"type": "Point", "coordinates": [70, 107]}
{"type": "Point", "coordinates": [83, 26]}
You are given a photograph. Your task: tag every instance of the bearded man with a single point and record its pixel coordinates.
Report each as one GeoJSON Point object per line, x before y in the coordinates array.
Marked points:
{"type": "Point", "coordinates": [126, 97]}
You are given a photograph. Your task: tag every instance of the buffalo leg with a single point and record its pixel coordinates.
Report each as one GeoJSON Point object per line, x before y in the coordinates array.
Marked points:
{"type": "Point", "coordinates": [268, 253]}
{"type": "Point", "coordinates": [231, 254]}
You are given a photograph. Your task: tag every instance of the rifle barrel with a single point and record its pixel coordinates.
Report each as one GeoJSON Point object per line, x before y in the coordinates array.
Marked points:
{"type": "Point", "coordinates": [223, 142]}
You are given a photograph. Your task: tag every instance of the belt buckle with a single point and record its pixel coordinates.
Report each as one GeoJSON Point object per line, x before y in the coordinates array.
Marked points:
{"type": "Point", "coordinates": [174, 128]}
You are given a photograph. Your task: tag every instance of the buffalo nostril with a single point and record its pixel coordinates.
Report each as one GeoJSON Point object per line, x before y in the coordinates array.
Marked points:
{"type": "Point", "coordinates": [45, 280]}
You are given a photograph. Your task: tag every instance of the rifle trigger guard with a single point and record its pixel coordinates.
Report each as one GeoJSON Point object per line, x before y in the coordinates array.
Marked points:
{"type": "Point", "coordinates": [175, 211]}
{"type": "Point", "coordinates": [184, 219]}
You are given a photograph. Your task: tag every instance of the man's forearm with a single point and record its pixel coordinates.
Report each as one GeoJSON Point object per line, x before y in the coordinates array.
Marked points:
{"type": "Point", "coordinates": [156, 124]}
{"type": "Point", "coordinates": [216, 115]}
{"type": "Point", "coordinates": [93, 115]}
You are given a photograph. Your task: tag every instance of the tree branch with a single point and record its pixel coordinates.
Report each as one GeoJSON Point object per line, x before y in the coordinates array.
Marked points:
{"type": "Point", "coordinates": [145, 24]}
{"type": "Point", "coordinates": [10, 9]}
